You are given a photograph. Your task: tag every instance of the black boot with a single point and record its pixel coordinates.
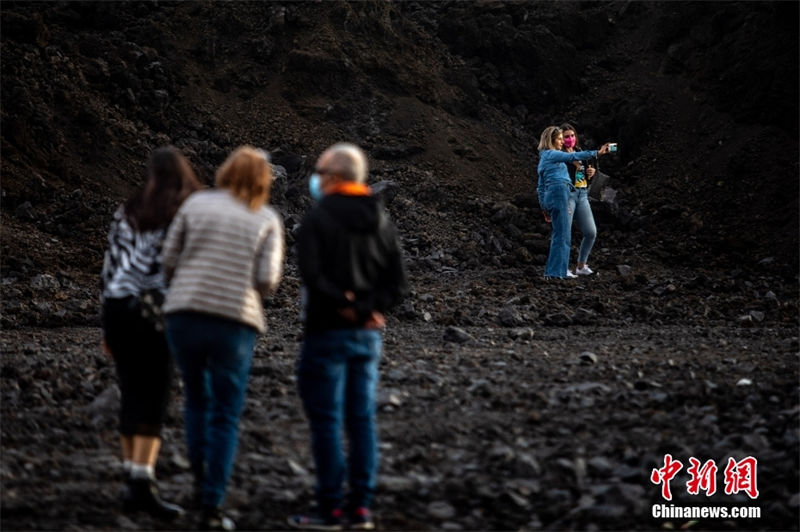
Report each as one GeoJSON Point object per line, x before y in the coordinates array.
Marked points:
{"type": "Point", "coordinates": [142, 495]}
{"type": "Point", "coordinates": [214, 519]}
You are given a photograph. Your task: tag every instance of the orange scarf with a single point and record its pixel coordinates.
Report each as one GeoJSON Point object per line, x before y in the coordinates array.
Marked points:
{"type": "Point", "coordinates": [349, 188]}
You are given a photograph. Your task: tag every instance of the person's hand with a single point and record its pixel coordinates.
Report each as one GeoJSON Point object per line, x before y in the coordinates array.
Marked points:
{"type": "Point", "coordinates": [376, 321]}
{"type": "Point", "coordinates": [603, 149]}
{"type": "Point", "coordinates": [547, 217]}
{"type": "Point", "coordinates": [590, 172]}
{"type": "Point", "coordinates": [348, 313]}
{"type": "Point", "coordinates": [105, 349]}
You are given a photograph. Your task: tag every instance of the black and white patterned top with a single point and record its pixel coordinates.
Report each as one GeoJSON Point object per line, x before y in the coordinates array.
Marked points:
{"type": "Point", "coordinates": [132, 262]}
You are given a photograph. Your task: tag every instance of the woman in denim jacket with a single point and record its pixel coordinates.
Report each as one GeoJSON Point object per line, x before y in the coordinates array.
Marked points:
{"type": "Point", "coordinates": [554, 189]}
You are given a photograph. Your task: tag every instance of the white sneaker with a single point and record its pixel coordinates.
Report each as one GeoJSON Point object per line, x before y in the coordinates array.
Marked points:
{"type": "Point", "coordinates": [570, 275]}
{"type": "Point", "coordinates": [584, 271]}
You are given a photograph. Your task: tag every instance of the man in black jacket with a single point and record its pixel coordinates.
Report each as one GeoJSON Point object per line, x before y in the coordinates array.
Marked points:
{"type": "Point", "coordinates": [352, 270]}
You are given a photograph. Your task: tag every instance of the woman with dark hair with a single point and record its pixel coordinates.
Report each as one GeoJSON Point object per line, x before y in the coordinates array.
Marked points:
{"type": "Point", "coordinates": [580, 172]}
{"type": "Point", "coordinates": [554, 189]}
{"type": "Point", "coordinates": [223, 253]}
{"type": "Point", "coordinates": [132, 276]}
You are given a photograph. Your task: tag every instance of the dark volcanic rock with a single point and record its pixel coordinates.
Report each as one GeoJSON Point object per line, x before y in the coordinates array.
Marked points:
{"type": "Point", "coordinates": [488, 418]}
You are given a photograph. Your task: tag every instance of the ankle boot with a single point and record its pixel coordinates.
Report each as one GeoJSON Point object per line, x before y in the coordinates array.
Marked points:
{"type": "Point", "coordinates": [142, 495]}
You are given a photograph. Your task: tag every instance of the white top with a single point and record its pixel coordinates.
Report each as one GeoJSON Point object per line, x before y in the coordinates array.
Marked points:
{"type": "Point", "coordinates": [222, 253]}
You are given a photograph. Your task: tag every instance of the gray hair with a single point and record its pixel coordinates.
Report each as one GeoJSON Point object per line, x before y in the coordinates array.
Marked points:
{"type": "Point", "coordinates": [350, 160]}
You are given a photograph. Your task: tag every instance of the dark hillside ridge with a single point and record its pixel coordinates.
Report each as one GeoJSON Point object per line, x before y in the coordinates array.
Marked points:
{"type": "Point", "coordinates": [448, 99]}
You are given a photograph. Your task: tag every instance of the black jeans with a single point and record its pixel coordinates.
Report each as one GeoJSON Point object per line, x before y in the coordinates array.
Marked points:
{"type": "Point", "coordinates": [144, 367]}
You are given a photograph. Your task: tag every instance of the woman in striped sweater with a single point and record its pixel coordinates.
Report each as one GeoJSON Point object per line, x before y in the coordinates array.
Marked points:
{"type": "Point", "coordinates": [132, 271]}
{"type": "Point", "coordinates": [223, 253]}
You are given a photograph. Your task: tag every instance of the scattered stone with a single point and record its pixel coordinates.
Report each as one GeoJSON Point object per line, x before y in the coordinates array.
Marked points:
{"type": "Point", "coordinates": [441, 510]}
{"type": "Point", "coordinates": [124, 523]}
{"type": "Point", "coordinates": [400, 151]}
{"type": "Point", "coordinates": [296, 468]}
{"type": "Point", "coordinates": [480, 387]}
{"type": "Point", "coordinates": [558, 319]}
{"type": "Point", "coordinates": [104, 407]}
{"type": "Point", "coordinates": [757, 315]}
{"type": "Point", "coordinates": [387, 397]}
{"type": "Point", "coordinates": [395, 375]}
{"type": "Point", "coordinates": [45, 281]}
{"type": "Point", "coordinates": [527, 465]}
{"type": "Point", "coordinates": [180, 460]}
{"type": "Point", "coordinates": [584, 316]}
{"type": "Point", "coordinates": [794, 501]}
{"type": "Point", "coordinates": [25, 212]}
{"type": "Point", "coordinates": [457, 335]}
{"type": "Point", "coordinates": [600, 466]}
{"type": "Point", "coordinates": [744, 382]}
{"type": "Point", "coordinates": [510, 317]}
{"type": "Point", "coordinates": [624, 270]}
{"type": "Point", "coordinates": [659, 397]}
{"type": "Point", "coordinates": [385, 190]}
{"type": "Point", "coordinates": [607, 511]}
{"type": "Point", "coordinates": [396, 484]}
{"type": "Point", "coordinates": [518, 499]}
{"type": "Point", "coordinates": [521, 334]}
{"type": "Point", "coordinates": [587, 358]}
{"type": "Point", "coordinates": [502, 452]}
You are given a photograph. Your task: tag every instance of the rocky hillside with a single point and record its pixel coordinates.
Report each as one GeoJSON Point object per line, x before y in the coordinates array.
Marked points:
{"type": "Point", "coordinates": [507, 402]}
{"type": "Point", "coordinates": [448, 99]}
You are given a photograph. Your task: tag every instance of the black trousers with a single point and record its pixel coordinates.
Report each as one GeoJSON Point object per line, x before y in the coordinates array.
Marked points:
{"type": "Point", "coordinates": [144, 367]}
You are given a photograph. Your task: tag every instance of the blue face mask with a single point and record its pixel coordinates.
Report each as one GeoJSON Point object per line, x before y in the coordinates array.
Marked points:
{"type": "Point", "coordinates": [315, 186]}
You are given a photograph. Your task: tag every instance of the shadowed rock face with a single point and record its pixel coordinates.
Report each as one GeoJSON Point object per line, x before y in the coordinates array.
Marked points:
{"type": "Point", "coordinates": [494, 414]}
{"type": "Point", "coordinates": [701, 98]}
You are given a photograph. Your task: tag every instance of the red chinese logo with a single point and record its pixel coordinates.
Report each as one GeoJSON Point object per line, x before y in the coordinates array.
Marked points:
{"type": "Point", "coordinates": [703, 478]}
{"type": "Point", "coordinates": [741, 476]}
{"type": "Point", "coordinates": [665, 474]}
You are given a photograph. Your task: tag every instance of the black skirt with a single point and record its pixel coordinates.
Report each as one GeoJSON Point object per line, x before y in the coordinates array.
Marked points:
{"type": "Point", "coordinates": [144, 367]}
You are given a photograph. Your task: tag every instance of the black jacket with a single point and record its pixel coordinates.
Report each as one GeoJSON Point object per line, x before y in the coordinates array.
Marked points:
{"type": "Point", "coordinates": [571, 166]}
{"type": "Point", "coordinates": [348, 243]}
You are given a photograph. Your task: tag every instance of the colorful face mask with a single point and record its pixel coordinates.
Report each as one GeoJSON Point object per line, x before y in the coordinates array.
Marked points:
{"type": "Point", "coordinates": [315, 186]}
{"type": "Point", "coordinates": [569, 142]}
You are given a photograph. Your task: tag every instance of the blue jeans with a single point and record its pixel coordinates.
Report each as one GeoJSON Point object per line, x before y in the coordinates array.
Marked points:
{"type": "Point", "coordinates": [214, 356]}
{"type": "Point", "coordinates": [557, 203]}
{"type": "Point", "coordinates": [582, 212]}
{"type": "Point", "coordinates": [337, 379]}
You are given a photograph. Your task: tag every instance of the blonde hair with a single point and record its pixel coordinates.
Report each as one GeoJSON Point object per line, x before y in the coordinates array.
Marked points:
{"type": "Point", "coordinates": [548, 136]}
{"type": "Point", "coordinates": [348, 161]}
{"type": "Point", "coordinates": [247, 174]}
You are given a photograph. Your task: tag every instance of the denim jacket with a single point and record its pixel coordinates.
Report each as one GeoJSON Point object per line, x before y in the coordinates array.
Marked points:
{"type": "Point", "coordinates": [553, 169]}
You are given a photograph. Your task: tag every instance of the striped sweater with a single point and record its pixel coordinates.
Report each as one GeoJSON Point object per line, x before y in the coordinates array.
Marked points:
{"type": "Point", "coordinates": [131, 264]}
{"type": "Point", "coordinates": [222, 257]}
